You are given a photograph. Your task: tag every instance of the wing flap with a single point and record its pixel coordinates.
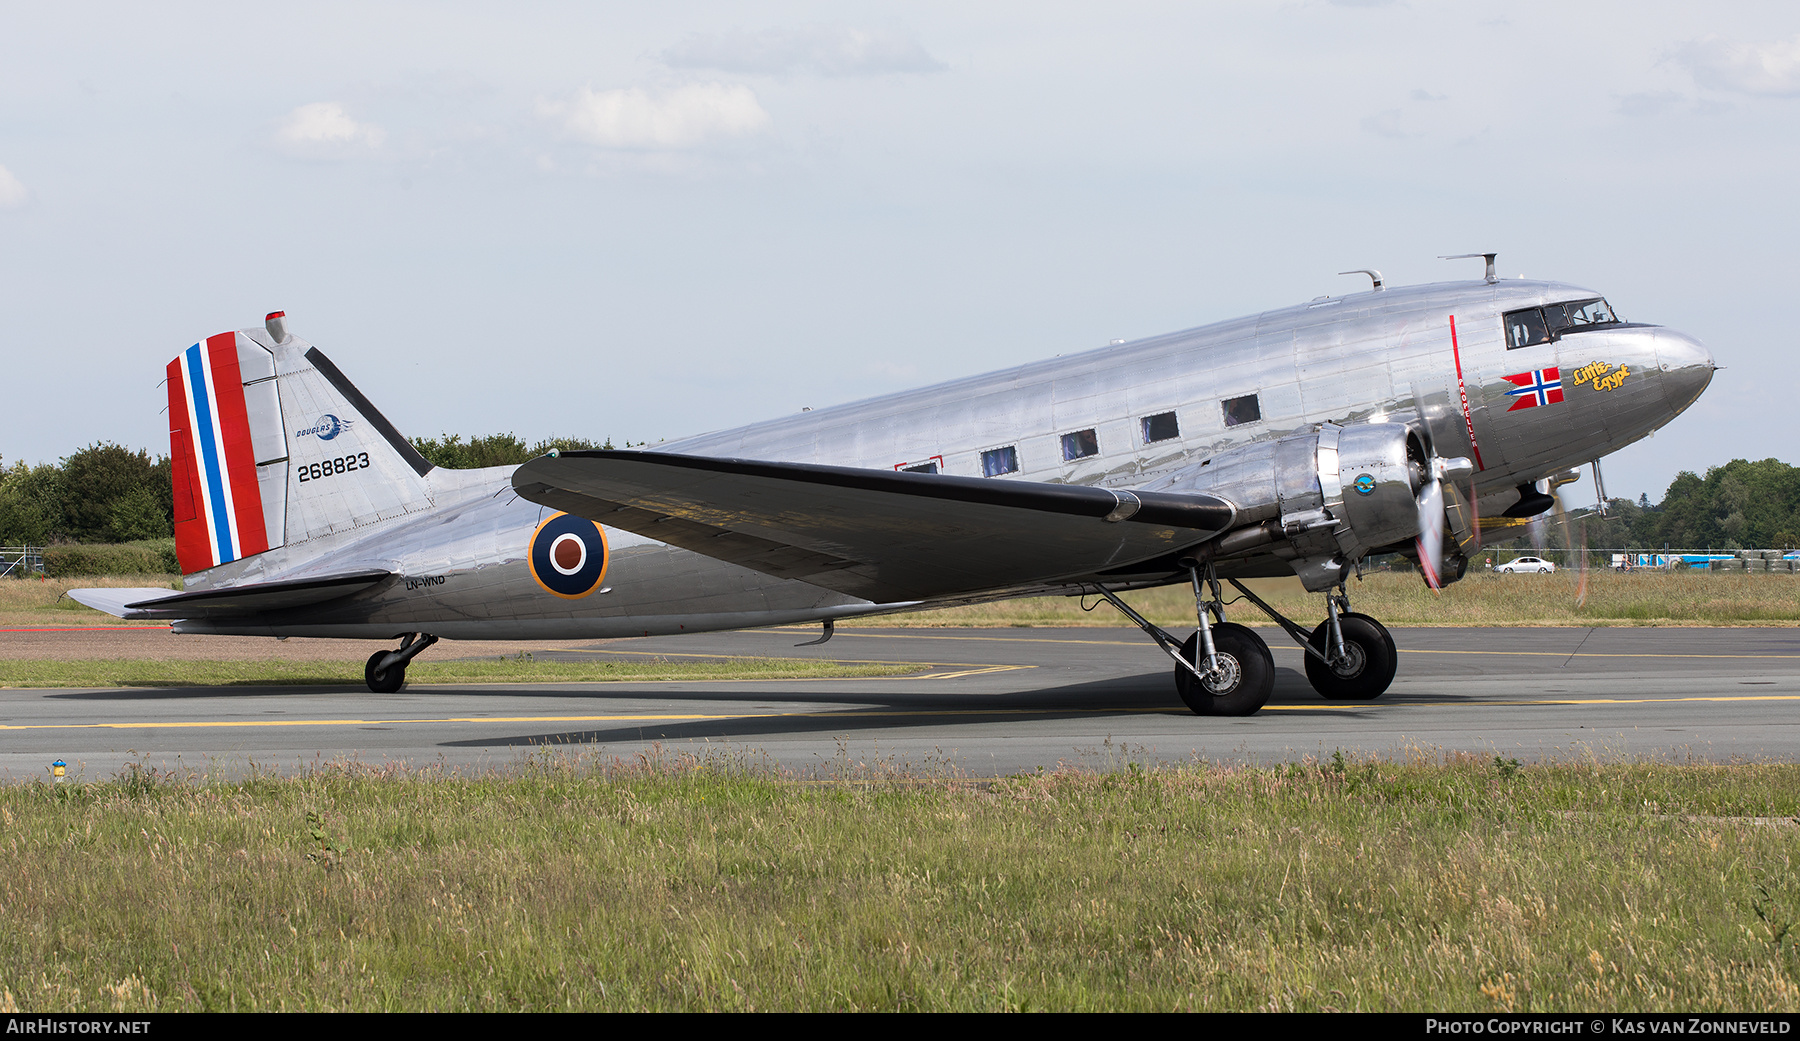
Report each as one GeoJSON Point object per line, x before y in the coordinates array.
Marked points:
{"type": "Point", "coordinates": [885, 536]}
{"type": "Point", "coordinates": [231, 602]}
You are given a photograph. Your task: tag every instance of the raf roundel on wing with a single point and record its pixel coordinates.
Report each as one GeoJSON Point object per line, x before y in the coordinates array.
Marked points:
{"type": "Point", "coordinates": [568, 556]}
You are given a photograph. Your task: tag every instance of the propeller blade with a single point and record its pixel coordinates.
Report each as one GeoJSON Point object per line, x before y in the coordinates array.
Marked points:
{"type": "Point", "coordinates": [1431, 533]}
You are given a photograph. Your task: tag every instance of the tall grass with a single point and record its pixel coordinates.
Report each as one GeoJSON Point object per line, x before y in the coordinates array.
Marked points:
{"type": "Point", "coordinates": [1460, 884]}
{"type": "Point", "coordinates": [1564, 598]}
{"type": "Point", "coordinates": [40, 600]}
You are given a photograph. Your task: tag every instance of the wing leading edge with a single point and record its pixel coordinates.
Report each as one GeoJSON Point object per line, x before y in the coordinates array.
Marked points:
{"type": "Point", "coordinates": [884, 536]}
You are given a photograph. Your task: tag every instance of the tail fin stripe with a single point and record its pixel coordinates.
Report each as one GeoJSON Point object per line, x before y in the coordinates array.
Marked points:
{"type": "Point", "coordinates": [200, 427]}
{"type": "Point", "coordinates": [237, 454]}
{"type": "Point", "coordinates": [218, 437]}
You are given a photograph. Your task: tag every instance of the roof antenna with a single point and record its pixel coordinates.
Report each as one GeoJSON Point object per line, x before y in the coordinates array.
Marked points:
{"type": "Point", "coordinates": [1489, 257]}
{"type": "Point", "coordinates": [1376, 275]}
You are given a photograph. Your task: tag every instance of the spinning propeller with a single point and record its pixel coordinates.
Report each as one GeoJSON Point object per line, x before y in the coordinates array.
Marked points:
{"type": "Point", "coordinates": [1440, 484]}
{"type": "Point", "coordinates": [1438, 496]}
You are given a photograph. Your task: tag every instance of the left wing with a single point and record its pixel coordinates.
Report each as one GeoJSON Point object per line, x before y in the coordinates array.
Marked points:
{"type": "Point", "coordinates": [882, 535]}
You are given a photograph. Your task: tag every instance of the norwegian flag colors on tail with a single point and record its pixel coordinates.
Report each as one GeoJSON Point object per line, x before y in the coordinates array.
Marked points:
{"type": "Point", "coordinates": [218, 507]}
{"type": "Point", "coordinates": [1537, 387]}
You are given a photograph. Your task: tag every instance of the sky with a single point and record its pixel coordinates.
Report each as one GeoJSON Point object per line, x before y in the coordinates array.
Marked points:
{"type": "Point", "coordinates": [637, 222]}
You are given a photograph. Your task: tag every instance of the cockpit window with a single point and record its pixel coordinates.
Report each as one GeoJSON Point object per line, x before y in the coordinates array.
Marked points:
{"type": "Point", "coordinates": [1537, 325]}
{"type": "Point", "coordinates": [1525, 328]}
{"type": "Point", "coordinates": [1589, 312]}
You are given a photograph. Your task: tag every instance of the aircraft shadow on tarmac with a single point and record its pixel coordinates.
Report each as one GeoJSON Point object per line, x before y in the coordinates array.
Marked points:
{"type": "Point", "coordinates": [1137, 695]}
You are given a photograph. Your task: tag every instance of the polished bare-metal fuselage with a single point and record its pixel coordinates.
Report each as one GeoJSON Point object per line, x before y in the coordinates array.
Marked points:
{"type": "Point", "coordinates": [1435, 355]}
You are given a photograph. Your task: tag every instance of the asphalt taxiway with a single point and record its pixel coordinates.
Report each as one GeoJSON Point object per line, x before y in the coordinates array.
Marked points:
{"type": "Point", "coordinates": [992, 701]}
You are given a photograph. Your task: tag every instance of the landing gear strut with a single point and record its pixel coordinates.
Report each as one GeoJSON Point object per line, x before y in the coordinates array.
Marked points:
{"type": "Point", "coordinates": [1221, 670]}
{"type": "Point", "coordinates": [386, 671]}
{"type": "Point", "coordinates": [1349, 657]}
{"type": "Point", "coordinates": [1227, 670]}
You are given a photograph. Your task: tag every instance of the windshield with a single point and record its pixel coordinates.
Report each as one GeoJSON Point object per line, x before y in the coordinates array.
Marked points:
{"type": "Point", "coordinates": [1535, 325]}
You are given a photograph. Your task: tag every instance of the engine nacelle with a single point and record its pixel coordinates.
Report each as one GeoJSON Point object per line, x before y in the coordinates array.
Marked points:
{"type": "Point", "coordinates": [1338, 492]}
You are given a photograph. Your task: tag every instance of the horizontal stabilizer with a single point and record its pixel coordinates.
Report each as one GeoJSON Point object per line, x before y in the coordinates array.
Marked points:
{"type": "Point", "coordinates": [883, 535]}
{"type": "Point", "coordinates": [230, 602]}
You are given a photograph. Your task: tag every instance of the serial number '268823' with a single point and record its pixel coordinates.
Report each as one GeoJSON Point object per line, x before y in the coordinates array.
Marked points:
{"type": "Point", "coordinates": [342, 465]}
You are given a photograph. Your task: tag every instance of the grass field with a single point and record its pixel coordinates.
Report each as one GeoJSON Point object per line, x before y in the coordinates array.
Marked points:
{"type": "Point", "coordinates": [512, 669]}
{"type": "Point", "coordinates": [1466, 884]}
{"type": "Point", "coordinates": [1564, 598]}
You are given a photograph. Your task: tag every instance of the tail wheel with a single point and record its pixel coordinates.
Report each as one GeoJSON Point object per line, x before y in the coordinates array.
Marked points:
{"type": "Point", "coordinates": [380, 680]}
{"type": "Point", "coordinates": [1369, 670]}
{"type": "Point", "coordinates": [1245, 679]}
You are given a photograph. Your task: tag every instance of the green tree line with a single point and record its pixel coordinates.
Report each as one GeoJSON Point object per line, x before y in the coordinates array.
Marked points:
{"type": "Point", "coordinates": [1741, 505]}
{"type": "Point", "coordinates": [102, 493]}
{"type": "Point", "coordinates": [452, 451]}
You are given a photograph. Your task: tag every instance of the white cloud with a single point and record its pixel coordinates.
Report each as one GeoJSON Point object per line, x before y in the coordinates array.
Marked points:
{"type": "Point", "coordinates": [679, 118]}
{"type": "Point", "coordinates": [1771, 70]}
{"type": "Point", "coordinates": [824, 49]}
{"type": "Point", "coordinates": [325, 126]}
{"type": "Point", "coordinates": [12, 191]}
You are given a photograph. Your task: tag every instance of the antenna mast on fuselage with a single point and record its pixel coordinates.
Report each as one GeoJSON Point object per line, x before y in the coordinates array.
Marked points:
{"type": "Point", "coordinates": [1489, 257]}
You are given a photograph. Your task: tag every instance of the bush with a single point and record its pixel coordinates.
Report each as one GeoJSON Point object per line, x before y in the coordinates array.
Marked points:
{"type": "Point", "coordinates": [145, 557]}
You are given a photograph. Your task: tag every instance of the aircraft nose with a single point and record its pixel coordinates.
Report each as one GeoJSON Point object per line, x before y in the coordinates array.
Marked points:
{"type": "Point", "coordinates": [1686, 367]}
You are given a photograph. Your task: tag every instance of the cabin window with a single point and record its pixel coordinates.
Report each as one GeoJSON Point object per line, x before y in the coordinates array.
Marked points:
{"type": "Point", "coordinates": [1239, 411]}
{"type": "Point", "coordinates": [1000, 461]}
{"type": "Point", "coordinates": [934, 464]}
{"type": "Point", "coordinates": [1161, 427]}
{"type": "Point", "coordinates": [1080, 445]}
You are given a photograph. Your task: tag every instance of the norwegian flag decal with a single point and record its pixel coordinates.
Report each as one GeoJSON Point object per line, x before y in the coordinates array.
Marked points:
{"type": "Point", "coordinates": [1537, 387]}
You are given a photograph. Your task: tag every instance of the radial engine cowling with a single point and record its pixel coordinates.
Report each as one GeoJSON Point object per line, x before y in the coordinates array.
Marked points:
{"type": "Point", "coordinates": [1335, 494]}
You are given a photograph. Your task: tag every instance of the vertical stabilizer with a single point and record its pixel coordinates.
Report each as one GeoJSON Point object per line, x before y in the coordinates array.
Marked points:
{"type": "Point", "coordinates": [272, 446]}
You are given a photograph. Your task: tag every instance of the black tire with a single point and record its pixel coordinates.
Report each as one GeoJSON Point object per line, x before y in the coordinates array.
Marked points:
{"type": "Point", "coordinates": [1370, 672]}
{"type": "Point", "coordinates": [1249, 666]}
{"type": "Point", "coordinates": [380, 680]}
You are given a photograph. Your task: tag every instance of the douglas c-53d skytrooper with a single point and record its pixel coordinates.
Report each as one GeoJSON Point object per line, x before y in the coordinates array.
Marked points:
{"type": "Point", "coordinates": [1294, 441]}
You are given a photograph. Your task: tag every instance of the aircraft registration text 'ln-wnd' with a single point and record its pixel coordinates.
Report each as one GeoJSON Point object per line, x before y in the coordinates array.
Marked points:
{"type": "Point", "coordinates": [1297, 441]}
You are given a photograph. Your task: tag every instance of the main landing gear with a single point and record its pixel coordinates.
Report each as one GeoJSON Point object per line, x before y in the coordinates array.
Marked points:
{"type": "Point", "coordinates": [1226, 669]}
{"type": "Point", "coordinates": [386, 671]}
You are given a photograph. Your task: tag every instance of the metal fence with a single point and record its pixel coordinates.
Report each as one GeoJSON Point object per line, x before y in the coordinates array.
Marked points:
{"type": "Point", "coordinates": [16, 561]}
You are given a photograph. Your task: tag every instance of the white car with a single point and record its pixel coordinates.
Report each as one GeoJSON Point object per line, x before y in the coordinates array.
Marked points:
{"type": "Point", "coordinates": [1542, 567]}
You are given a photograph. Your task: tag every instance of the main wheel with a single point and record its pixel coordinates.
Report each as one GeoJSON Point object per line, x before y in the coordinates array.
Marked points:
{"type": "Point", "coordinates": [1246, 674]}
{"type": "Point", "coordinates": [380, 680]}
{"type": "Point", "coordinates": [1371, 665]}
